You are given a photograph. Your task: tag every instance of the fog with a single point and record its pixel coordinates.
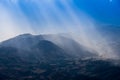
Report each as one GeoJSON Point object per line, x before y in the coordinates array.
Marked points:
{"type": "Point", "coordinates": [48, 18]}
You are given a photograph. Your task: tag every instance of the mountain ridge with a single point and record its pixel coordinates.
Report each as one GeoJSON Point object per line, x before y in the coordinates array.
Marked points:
{"type": "Point", "coordinates": [26, 41]}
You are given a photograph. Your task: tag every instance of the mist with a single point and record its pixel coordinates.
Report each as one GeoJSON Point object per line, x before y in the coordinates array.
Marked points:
{"type": "Point", "coordinates": [49, 17]}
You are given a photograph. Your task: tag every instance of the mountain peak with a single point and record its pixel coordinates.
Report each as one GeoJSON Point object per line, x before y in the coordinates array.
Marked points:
{"type": "Point", "coordinates": [24, 35]}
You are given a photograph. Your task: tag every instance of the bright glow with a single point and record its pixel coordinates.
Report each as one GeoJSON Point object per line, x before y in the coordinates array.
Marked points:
{"type": "Point", "coordinates": [110, 0]}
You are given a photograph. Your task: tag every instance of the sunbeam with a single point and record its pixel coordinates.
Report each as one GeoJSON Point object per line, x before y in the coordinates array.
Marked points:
{"type": "Point", "coordinates": [49, 17]}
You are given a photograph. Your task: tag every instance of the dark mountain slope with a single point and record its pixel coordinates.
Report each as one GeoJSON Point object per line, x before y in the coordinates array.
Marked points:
{"type": "Point", "coordinates": [28, 57]}
{"type": "Point", "coordinates": [27, 41]}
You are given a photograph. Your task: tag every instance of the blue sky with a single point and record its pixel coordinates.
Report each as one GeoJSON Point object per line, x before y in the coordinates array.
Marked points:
{"type": "Point", "coordinates": [76, 17]}
{"type": "Point", "coordinates": [104, 11]}
{"type": "Point", "coordinates": [55, 16]}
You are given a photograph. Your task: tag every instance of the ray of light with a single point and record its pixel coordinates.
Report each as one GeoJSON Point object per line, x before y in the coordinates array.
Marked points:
{"type": "Point", "coordinates": [80, 26]}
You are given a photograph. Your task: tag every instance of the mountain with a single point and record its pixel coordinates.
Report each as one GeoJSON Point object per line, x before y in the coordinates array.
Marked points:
{"type": "Point", "coordinates": [31, 43]}
{"type": "Point", "coordinates": [52, 57]}
{"type": "Point", "coordinates": [31, 48]}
